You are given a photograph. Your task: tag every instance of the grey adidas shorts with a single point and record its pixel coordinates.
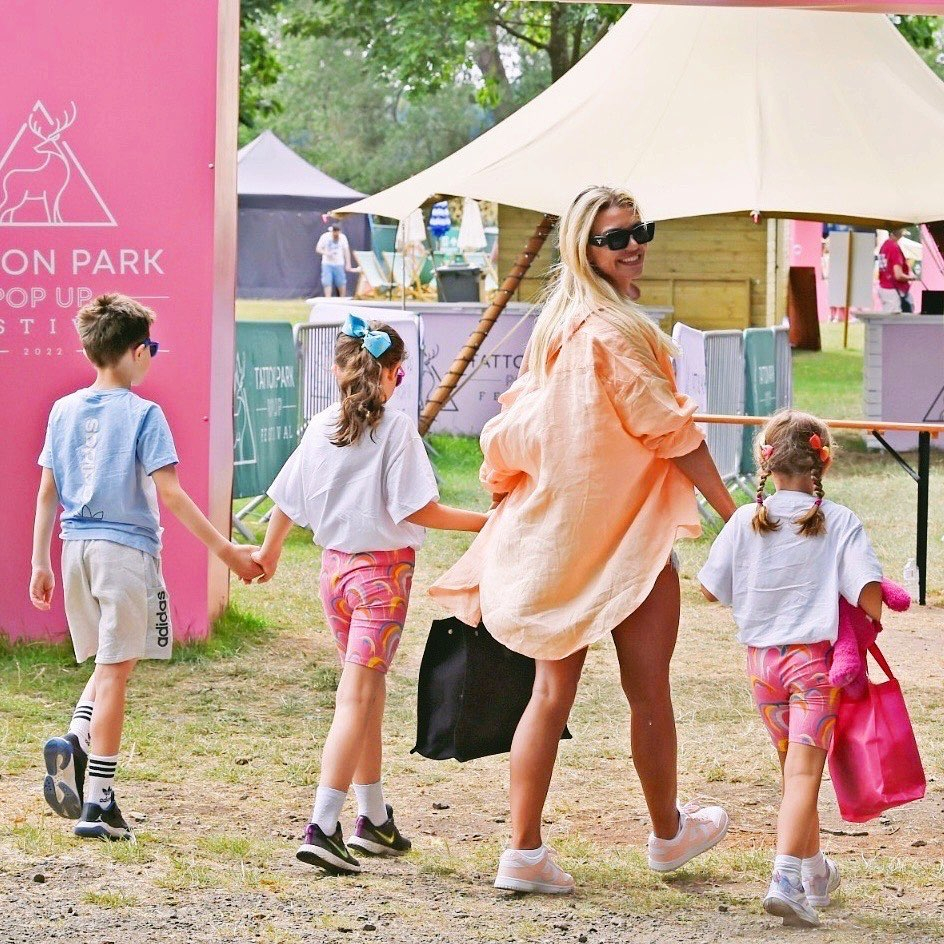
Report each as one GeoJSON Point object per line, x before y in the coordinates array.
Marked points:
{"type": "Point", "coordinates": [116, 602]}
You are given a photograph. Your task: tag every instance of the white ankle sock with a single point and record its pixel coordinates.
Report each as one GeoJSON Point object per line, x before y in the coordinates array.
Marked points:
{"type": "Point", "coordinates": [327, 811]}
{"type": "Point", "coordinates": [82, 722]}
{"type": "Point", "coordinates": [788, 866]}
{"type": "Point", "coordinates": [814, 865]}
{"type": "Point", "coordinates": [531, 856]}
{"type": "Point", "coordinates": [370, 802]}
{"type": "Point", "coordinates": [100, 787]}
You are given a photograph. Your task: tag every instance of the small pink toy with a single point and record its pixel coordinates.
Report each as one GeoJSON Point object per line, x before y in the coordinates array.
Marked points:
{"type": "Point", "coordinates": [857, 631]}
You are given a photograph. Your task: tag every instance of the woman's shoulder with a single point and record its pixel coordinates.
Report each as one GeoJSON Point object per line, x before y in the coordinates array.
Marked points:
{"type": "Point", "coordinates": [620, 355]}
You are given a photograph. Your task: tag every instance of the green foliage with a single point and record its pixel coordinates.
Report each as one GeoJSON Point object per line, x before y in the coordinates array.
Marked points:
{"type": "Point", "coordinates": [339, 117]}
{"type": "Point", "coordinates": [259, 65]}
{"type": "Point", "coordinates": [425, 46]}
{"type": "Point", "coordinates": [926, 35]}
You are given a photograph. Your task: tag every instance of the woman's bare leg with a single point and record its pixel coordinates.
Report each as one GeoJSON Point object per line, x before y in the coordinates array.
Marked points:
{"type": "Point", "coordinates": [534, 748]}
{"type": "Point", "coordinates": [645, 641]}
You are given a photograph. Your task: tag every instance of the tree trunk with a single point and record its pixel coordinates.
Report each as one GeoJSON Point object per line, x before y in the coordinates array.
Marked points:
{"type": "Point", "coordinates": [488, 59]}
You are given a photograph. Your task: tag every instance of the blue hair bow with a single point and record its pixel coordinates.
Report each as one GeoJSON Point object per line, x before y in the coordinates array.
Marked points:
{"type": "Point", "coordinates": [376, 342]}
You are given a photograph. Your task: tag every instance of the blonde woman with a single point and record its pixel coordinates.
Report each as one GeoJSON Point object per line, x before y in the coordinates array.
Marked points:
{"type": "Point", "coordinates": [591, 463]}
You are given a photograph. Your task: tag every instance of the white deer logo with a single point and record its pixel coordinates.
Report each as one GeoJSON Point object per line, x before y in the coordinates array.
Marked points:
{"type": "Point", "coordinates": [47, 181]}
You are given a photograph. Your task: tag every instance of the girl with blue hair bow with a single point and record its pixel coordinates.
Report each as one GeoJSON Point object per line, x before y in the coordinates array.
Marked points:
{"type": "Point", "coordinates": [361, 480]}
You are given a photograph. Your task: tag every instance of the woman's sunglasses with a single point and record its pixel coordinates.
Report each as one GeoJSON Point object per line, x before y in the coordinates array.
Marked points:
{"type": "Point", "coordinates": [617, 239]}
{"type": "Point", "coordinates": [401, 373]}
{"type": "Point", "coordinates": [152, 346]}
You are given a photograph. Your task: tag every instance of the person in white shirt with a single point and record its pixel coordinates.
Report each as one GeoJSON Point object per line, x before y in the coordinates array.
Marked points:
{"type": "Point", "coordinates": [361, 480]}
{"type": "Point", "coordinates": [335, 252]}
{"type": "Point", "coordinates": [782, 564]}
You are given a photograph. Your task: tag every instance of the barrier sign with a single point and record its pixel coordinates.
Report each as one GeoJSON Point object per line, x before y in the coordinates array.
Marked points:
{"type": "Point", "coordinates": [265, 404]}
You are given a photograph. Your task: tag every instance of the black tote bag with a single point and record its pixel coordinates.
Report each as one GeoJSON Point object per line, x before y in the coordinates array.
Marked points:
{"type": "Point", "coordinates": [471, 694]}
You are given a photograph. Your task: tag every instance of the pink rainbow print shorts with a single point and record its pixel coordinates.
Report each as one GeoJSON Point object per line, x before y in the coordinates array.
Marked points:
{"type": "Point", "coordinates": [365, 597]}
{"type": "Point", "coordinates": [793, 694]}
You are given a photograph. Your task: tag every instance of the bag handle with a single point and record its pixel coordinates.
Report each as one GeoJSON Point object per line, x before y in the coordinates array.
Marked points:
{"type": "Point", "coordinates": [880, 659]}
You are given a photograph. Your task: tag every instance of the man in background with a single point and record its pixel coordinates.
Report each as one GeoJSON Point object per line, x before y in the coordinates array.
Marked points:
{"type": "Point", "coordinates": [894, 276]}
{"type": "Point", "coordinates": [335, 260]}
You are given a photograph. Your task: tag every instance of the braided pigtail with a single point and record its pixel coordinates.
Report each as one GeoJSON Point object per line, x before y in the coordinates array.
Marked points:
{"type": "Point", "coordinates": [762, 522]}
{"type": "Point", "coordinates": [812, 523]}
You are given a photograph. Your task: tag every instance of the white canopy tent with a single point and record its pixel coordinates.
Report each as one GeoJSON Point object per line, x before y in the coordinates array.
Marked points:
{"type": "Point", "coordinates": [703, 110]}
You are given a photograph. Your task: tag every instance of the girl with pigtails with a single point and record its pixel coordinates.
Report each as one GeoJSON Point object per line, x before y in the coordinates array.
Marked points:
{"type": "Point", "coordinates": [782, 563]}
{"type": "Point", "coordinates": [361, 480]}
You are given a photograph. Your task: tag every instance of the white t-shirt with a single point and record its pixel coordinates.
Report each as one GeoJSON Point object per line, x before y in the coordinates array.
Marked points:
{"type": "Point", "coordinates": [785, 588]}
{"type": "Point", "coordinates": [355, 498]}
{"type": "Point", "coordinates": [335, 252]}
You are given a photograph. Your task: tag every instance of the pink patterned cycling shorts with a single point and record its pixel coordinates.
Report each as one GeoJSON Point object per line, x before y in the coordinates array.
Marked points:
{"type": "Point", "coordinates": [365, 597]}
{"type": "Point", "coordinates": [793, 694]}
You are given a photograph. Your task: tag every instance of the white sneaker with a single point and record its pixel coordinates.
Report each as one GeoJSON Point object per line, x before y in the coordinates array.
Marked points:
{"type": "Point", "coordinates": [518, 875]}
{"type": "Point", "coordinates": [699, 830]}
{"type": "Point", "coordinates": [818, 888]}
{"type": "Point", "coordinates": [788, 901]}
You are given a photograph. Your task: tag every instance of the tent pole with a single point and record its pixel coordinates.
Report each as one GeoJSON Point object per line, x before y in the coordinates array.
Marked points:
{"type": "Point", "coordinates": [440, 396]}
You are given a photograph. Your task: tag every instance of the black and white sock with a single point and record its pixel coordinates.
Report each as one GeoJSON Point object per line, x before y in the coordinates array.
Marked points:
{"type": "Point", "coordinates": [100, 787]}
{"type": "Point", "coordinates": [82, 722]}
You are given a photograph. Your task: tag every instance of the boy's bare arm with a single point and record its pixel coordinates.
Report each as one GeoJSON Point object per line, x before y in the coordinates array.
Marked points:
{"type": "Point", "coordinates": [446, 518]}
{"type": "Point", "coordinates": [237, 557]}
{"type": "Point", "coordinates": [267, 557]}
{"type": "Point", "coordinates": [42, 580]}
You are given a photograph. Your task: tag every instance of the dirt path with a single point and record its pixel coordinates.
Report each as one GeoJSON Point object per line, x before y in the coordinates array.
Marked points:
{"type": "Point", "coordinates": [219, 770]}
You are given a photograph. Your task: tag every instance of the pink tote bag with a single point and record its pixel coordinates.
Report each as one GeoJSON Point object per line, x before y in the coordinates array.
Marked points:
{"type": "Point", "coordinates": [874, 762]}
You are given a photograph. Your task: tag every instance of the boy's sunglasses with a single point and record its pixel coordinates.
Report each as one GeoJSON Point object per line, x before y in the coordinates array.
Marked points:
{"type": "Point", "coordinates": [617, 239]}
{"type": "Point", "coordinates": [152, 346]}
{"type": "Point", "coordinates": [401, 373]}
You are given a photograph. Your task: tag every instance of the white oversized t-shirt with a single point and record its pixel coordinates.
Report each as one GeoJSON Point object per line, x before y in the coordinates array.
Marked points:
{"type": "Point", "coordinates": [355, 498]}
{"type": "Point", "coordinates": [335, 250]}
{"type": "Point", "coordinates": [784, 588]}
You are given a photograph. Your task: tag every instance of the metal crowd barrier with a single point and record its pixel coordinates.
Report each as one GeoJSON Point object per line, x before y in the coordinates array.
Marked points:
{"type": "Point", "coordinates": [317, 388]}
{"type": "Point", "coordinates": [724, 375]}
{"type": "Point", "coordinates": [784, 364]}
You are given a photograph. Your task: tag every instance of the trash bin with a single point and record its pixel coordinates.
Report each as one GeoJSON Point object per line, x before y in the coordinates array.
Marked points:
{"type": "Point", "coordinates": [458, 283]}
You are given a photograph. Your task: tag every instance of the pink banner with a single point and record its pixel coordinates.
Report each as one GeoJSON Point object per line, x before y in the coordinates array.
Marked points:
{"type": "Point", "coordinates": [110, 180]}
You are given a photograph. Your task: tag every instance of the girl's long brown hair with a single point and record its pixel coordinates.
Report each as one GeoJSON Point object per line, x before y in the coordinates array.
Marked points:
{"type": "Point", "coordinates": [787, 438]}
{"type": "Point", "coordinates": [358, 374]}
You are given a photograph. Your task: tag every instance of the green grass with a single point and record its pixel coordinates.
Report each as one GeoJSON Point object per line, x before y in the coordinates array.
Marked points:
{"type": "Point", "coordinates": [828, 383]}
{"type": "Point", "coordinates": [232, 632]}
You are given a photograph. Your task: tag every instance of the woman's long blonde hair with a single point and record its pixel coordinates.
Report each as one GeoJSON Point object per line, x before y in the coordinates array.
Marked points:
{"type": "Point", "coordinates": [577, 287]}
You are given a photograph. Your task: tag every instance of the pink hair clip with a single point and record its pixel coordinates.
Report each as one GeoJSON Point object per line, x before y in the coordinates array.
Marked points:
{"type": "Point", "coordinates": [766, 451]}
{"type": "Point", "coordinates": [818, 502]}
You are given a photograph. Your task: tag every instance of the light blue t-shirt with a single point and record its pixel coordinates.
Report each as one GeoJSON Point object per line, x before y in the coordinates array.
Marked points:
{"type": "Point", "coordinates": [102, 446]}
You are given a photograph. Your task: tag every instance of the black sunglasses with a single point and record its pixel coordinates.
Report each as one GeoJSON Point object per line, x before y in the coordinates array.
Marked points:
{"type": "Point", "coordinates": [617, 239]}
{"type": "Point", "coordinates": [152, 346]}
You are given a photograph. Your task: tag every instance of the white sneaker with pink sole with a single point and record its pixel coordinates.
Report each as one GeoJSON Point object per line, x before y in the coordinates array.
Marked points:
{"type": "Point", "coordinates": [700, 828]}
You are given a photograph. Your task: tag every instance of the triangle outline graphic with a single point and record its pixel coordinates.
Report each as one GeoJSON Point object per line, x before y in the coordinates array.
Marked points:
{"type": "Point", "coordinates": [110, 219]}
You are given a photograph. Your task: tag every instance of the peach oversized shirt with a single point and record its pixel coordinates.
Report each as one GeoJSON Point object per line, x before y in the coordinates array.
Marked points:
{"type": "Point", "coordinates": [594, 503]}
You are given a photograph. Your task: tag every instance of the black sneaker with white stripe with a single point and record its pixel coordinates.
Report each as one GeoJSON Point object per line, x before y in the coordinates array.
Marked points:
{"type": "Point", "coordinates": [327, 852]}
{"type": "Point", "coordinates": [65, 775]}
{"type": "Point", "coordinates": [384, 840]}
{"type": "Point", "coordinates": [103, 822]}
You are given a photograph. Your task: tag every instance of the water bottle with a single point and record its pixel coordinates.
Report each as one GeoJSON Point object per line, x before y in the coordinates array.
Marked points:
{"type": "Point", "coordinates": [910, 578]}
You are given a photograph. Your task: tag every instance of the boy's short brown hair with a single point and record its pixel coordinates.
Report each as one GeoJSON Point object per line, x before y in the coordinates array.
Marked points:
{"type": "Point", "coordinates": [110, 325]}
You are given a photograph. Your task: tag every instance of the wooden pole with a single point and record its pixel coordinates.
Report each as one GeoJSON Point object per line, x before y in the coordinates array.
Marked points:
{"type": "Point", "coordinates": [440, 396]}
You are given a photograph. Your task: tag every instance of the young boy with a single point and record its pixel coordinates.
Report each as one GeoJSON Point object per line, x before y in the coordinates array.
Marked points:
{"type": "Point", "coordinates": [108, 455]}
